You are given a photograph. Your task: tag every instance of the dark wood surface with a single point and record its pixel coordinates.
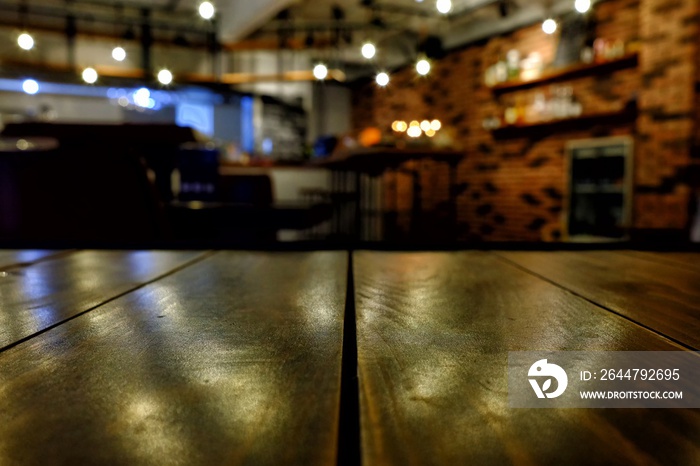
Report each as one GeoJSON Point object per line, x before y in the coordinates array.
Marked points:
{"type": "Point", "coordinates": [434, 330]}
{"type": "Point", "coordinates": [44, 294]}
{"type": "Point", "coordinates": [681, 260]}
{"type": "Point", "coordinates": [649, 290]}
{"type": "Point", "coordinates": [195, 357]}
{"type": "Point", "coordinates": [232, 360]}
{"type": "Point", "coordinates": [11, 258]}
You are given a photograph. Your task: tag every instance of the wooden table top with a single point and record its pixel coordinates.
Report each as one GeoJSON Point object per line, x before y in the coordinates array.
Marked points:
{"type": "Point", "coordinates": [225, 358]}
{"type": "Point", "coordinates": [434, 330]}
{"type": "Point", "coordinates": [231, 357]}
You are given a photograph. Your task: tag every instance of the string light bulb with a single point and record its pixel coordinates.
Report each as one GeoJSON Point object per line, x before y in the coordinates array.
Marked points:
{"type": "Point", "coordinates": [206, 10]}
{"type": "Point", "coordinates": [30, 86]}
{"type": "Point", "coordinates": [142, 97]}
{"type": "Point", "coordinates": [399, 126]}
{"type": "Point", "coordinates": [320, 71]}
{"type": "Point", "coordinates": [25, 41]}
{"type": "Point", "coordinates": [423, 67]}
{"type": "Point", "coordinates": [118, 53]}
{"type": "Point", "coordinates": [549, 26]}
{"type": "Point", "coordinates": [165, 77]}
{"type": "Point", "coordinates": [90, 75]}
{"type": "Point", "coordinates": [369, 50]}
{"type": "Point", "coordinates": [382, 79]}
{"type": "Point", "coordinates": [443, 6]}
{"type": "Point", "coordinates": [582, 6]}
{"type": "Point", "coordinates": [414, 131]}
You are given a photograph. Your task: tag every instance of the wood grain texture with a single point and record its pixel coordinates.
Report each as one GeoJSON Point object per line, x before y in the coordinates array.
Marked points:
{"type": "Point", "coordinates": [14, 257]}
{"type": "Point", "coordinates": [434, 330]}
{"type": "Point", "coordinates": [233, 360]}
{"type": "Point", "coordinates": [662, 296]}
{"type": "Point", "coordinates": [682, 260]}
{"type": "Point", "coordinates": [40, 295]}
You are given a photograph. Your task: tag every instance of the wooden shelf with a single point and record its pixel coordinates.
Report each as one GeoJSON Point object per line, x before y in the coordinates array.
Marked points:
{"type": "Point", "coordinates": [626, 115]}
{"type": "Point", "coordinates": [627, 61]}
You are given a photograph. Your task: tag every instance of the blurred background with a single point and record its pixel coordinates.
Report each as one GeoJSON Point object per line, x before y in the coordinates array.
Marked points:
{"type": "Point", "coordinates": [175, 123]}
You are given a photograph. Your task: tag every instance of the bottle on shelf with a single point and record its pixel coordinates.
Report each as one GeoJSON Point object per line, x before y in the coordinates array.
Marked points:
{"type": "Point", "coordinates": [531, 67]}
{"type": "Point", "coordinates": [510, 116]}
{"type": "Point", "coordinates": [513, 64]}
{"type": "Point", "coordinates": [501, 71]}
{"type": "Point", "coordinates": [606, 50]}
{"type": "Point", "coordinates": [559, 104]}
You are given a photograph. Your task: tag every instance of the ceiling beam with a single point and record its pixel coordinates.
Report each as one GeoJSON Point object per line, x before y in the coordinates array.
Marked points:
{"type": "Point", "coordinates": [105, 34]}
{"type": "Point", "coordinates": [518, 18]}
{"type": "Point", "coordinates": [422, 11]}
{"type": "Point", "coordinates": [248, 78]}
{"type": "Point", "coordinates": [238, 19]}
{"type": "Point", "coordinates": [249, 45]}
{"type": "Point", "coordinates": [134, 74]}
{"type": "Point", "coordinates": [182, 24]}
{"type": "Point", "coordinates": [172, 5]}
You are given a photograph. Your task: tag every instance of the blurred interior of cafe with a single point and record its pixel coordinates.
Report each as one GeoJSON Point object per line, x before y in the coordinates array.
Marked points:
{"type": "Point", "coordinates": [466, 122]}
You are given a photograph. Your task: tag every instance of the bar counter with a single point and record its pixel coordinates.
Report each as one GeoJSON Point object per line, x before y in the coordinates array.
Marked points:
{"type": "Point", "coordinates": [322, 358]}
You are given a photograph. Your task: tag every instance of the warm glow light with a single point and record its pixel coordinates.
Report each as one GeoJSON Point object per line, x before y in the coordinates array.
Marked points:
{"type": "Point", "coordinates": [423, 67]}
{"type": "Point", "coordinates": [320, 71]}
{"type": "Point", "coordinates": [430, 133]}
{"type": "Point", "coordinates": [206, 10]}
{"type": "Point", "coordinates": [582, 6]}
{"type": "Point", "coordinates": [549, 26]}
{"type": "Point", "coordinates": [414, 123]}
{"type": "Point", "coordinates": [443, 6]}
{"type": "Point", "coordinates": [165, 77]}
{"type": "Point", "coordinates": [382, 79]}
{"type": "Point", "coordinates": [425, 125]}
{"type": "Point", "coordinates": [118, 53]}
{"type": "Point", "coordinates": [25, 41]}
{"type": "Point", "coordinates": [399, 126]}
{"type": "Point", "coordinates": [90, 75]}
{"type": "Point", "coordinates": [30, 86]}
{"type": "Point", "coordinates": [435, 125]}
{"type": "Point", "coordinates": [414, 132]}
{"type": "Point", "coordinates": [369, 50]}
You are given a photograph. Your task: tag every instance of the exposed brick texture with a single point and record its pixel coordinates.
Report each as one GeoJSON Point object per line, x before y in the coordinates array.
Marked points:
{"type": "Point", "coordinates": [515, 187]}
{"type": "Point", "coordinates": [667, 120]}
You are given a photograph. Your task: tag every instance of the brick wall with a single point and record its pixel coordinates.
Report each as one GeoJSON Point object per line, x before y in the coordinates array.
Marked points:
{"type": "Point", "coordinates": [515, 186]}
{"type": "Point", "coordinates": [667, 120]}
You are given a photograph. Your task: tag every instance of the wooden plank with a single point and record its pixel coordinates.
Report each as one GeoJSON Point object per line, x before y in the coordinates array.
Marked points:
{"type": "Point", "coordinates": [689, 260]}
{"type": "Point", "coordinates": [664, 297]}
{"type": "Point", "coordinates": [14, 257]}
{"type": "Point", "coordinates": [434, 330]}
{"type": "Point", "coordinates": [234, 360]}
{"type": "Point", "coordinates": [44, 294]}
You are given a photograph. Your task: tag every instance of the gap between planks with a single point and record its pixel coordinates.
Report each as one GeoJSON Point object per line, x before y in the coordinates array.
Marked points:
{"type": "Point", "coordinates": [201, 257]}
{"type": "Point", "coordinates": [590, 300]}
